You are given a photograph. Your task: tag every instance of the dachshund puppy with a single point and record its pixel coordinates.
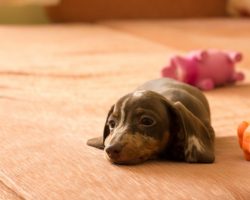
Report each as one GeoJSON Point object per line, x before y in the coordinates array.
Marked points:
{"type": "Point", "coordinates": [161, 119]}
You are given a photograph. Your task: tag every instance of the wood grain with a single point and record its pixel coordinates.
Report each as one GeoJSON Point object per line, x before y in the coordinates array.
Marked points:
{"type": "Point", "coordinates": [55, 95]}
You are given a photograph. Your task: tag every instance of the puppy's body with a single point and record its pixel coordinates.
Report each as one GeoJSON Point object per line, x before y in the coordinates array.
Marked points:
{"type": "Point", "coordinates": [162, 118]}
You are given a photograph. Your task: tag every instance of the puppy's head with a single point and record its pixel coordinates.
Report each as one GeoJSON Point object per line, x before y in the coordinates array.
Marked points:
{"type": "Point", "coordinates": [144, 124]}
{"type": "Point", "coordinates": [137, 128]}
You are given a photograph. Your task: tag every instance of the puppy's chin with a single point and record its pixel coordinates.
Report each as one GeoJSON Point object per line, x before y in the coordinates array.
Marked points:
{"type": "Point", "coordinates": [127, 162]}
{"type": "Point", "coordinates": [132, 161]}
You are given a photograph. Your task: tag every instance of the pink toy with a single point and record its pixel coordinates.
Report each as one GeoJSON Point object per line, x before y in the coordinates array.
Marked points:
{"type": "Point", "coordinates": [205, 69]}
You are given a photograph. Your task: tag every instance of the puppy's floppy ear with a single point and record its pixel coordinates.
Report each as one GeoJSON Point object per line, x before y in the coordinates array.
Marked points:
{"type": "Point", "coordinates": [98, 142]}
{"type": "Point", "coordinates": [194, 136]}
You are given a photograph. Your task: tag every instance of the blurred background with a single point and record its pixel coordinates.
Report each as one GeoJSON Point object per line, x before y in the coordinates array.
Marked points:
{"type": "Point", "coordinates": [45, 11]}
{"type": "Point", "coordinates": [24, 11]}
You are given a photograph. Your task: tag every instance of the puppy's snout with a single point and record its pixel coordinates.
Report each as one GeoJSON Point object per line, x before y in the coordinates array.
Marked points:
{"type": "Point", "coordinates": [114, 151]}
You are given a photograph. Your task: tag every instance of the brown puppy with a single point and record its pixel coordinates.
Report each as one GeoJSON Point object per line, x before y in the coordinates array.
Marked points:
{"type": "Point", "coordinates": [162, 118]}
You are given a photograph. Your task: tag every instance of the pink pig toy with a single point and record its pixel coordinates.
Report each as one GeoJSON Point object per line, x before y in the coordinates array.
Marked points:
{"type": "Point", "coordinates": [205, 69]}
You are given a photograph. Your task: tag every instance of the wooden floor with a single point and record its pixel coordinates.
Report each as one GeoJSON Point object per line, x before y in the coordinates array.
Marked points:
{"type": "Point", "coordinates": [57, 83]}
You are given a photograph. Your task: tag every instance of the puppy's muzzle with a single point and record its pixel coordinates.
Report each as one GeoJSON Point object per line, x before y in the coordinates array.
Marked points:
{"type": "Point", "coordinates": [114, 151]}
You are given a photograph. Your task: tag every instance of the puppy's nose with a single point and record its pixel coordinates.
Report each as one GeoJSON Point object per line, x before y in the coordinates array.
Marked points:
{"type": "Point", "coordinates": [114, 151]}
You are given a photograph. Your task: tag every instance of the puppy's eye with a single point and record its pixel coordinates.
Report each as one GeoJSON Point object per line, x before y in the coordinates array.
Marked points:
{"type": "Point", "coordinates": [147, 121]}
{"type": "Point", "coordinates": [111, 124]}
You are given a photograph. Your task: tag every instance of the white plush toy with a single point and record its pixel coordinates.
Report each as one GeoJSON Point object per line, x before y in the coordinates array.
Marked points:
{"type": "Point", "coordinates": [239, 8]}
